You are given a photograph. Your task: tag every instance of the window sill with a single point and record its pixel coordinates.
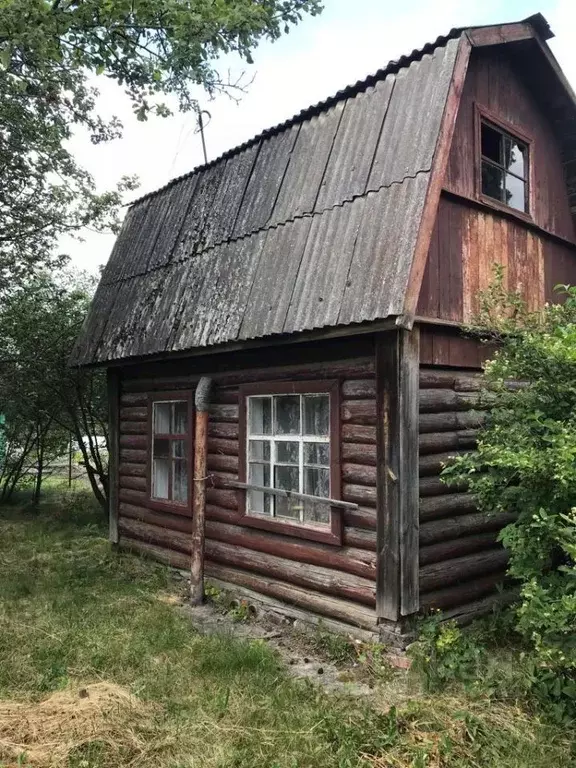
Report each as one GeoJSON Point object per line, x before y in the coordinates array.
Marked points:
{"type": "Point", "coordinates": [325, 535]}
{"type": "Point", "coordinates": [502, 207]}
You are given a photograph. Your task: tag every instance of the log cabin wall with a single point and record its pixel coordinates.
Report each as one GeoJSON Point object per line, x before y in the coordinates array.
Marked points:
{"type": "Point", "coordinates": [461, 562]}
{"type": "Point", "coordinates": [337, 582]}
{"type": "Point", "coordinates": [470, 234]}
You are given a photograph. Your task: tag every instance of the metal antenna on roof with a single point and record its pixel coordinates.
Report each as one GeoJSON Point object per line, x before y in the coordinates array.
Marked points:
{"type": "Point", "coordinates": [200, 130]}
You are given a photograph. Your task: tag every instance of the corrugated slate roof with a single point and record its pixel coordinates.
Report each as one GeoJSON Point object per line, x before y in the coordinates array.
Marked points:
{"type": "Point", "coordinates": [311, 224]}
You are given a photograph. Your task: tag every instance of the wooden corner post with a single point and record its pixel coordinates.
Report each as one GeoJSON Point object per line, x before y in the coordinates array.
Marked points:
{"type": "Point", "coordinates": [397, 374]}
{"type": "Point", "coordinates": [202, 403]}
{"type": "Point", "coordinates": [113, 382]}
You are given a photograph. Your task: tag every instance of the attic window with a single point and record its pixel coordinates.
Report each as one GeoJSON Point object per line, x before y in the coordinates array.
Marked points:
{"type": "Point", "coordinates": [504, 167]}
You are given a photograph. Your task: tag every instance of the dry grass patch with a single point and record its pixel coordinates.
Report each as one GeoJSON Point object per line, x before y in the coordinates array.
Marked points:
{"type": "Point", "coordinates": [53, 732]}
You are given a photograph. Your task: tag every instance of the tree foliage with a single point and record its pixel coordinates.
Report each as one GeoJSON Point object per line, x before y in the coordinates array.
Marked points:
{"type": "Point", "coordinates": [50, 53]}
{"type": "Point", "coordinates": [526, 464]}
{"type": "Point", "coordinates": [44, 400]}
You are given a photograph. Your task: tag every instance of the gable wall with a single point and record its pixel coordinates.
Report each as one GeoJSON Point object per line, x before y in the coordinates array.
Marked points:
{"type": "Point", "coordinates": [470, 236]}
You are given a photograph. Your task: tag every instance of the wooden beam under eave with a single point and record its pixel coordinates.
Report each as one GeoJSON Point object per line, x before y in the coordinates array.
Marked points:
{"type": "Point", "coordinates": [437, 173]}
{"type": "Point", "coordinates": [397, 377]}
{"type": "Point", "coordinates": [498, 34]}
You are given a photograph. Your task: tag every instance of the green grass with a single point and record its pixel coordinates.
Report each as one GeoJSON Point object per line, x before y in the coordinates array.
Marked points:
{"type": "Point", "coordinates": [74, 612]}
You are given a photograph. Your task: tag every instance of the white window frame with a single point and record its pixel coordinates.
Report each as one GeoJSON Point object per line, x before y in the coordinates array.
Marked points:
{"type": "Point", "coordinates": [301, 439]}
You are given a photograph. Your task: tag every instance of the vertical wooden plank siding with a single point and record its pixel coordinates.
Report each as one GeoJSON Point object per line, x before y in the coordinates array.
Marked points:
{"type": "Point", "coordinates": [397, 357]}
{"type": "Point", "coordinates": [113, 448]}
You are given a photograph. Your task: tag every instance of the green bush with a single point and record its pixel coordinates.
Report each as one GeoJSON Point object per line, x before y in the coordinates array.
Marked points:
{"type": "Point", "coordinates": [526, 464]}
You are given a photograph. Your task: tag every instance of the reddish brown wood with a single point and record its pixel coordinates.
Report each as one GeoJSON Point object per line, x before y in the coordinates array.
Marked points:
{"type": "Point", "coordinates": [217, 445]}
{"type": "Point", "coordinates": [222, 430]}
{"type": "Point", "coordinates": [445, 550]}
{"type": "Point", "coordinates": [360, 538]}
{"type": "Point", "coordinates": [359, 494]}
{"type": "Point", "coordinates": [440, 442]}
{"type": "Point", "coordinates": [137, 456]}
{"type": "Point", "coordinates": [132, 497]}
{"type": "Point", "coordinates": [134, 413]}
{"type": "Point", "coordinates": [134, 399]}
{"type": "Point", "coordinates": [440, 575]}
{"type": "Point", "coordinates": [198, 507]}
{"type": "Point", "coordinates": [136, 470]}
{"type": "Point", "coordinates": [359, 473]}
{"type": "Point", "coordinates": [462, 525]}
{"type": "Point", "coordinates": [355, 433]}
{"type": "Point", "coordinates": [221, 462]}
{"type": "Point", "coordinates": [462, 593]}
{"type": "Point", "coordinates": [137, 483]}
{"type": "Point", "coordinates": [363, 517]}
{"type": "Point", "coordinates": [359, 453]}
{"type": "Point", "coordinates": [133, 427]}
{"type": "Point", "coordinates": [435, 182]}
{"type": "Point", "coordinates": [359, 412]}
{"type": "Point", "coordinates": [134, 441]}
{"type": "Point", "coordinates": [436, 507]}
{"type": "Point", "coordinates": [160, 519]}
{"type": "Point", "coordinates": [224, 412]}
{"type": "Point", "coordinates": [359, 389]}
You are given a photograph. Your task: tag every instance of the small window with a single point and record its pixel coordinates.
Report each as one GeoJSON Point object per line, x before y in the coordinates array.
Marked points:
{"type": "Point", "coordinates": [170, 451]}
{"type": "Point", "coordinates": [504, 167]}
{"type": "Point", "coordinates": [288, 448]}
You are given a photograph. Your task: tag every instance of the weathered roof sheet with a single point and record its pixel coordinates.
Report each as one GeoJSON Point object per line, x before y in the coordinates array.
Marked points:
{"type": "Point", "coordinates": [311, 224]}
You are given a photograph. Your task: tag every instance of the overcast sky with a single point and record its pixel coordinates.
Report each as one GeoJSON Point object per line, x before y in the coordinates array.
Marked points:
{"type": "Point", "coordinates": [348, 41]}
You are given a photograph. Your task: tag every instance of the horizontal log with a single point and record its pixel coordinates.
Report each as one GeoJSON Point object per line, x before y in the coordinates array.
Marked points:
{"type": "Point", "coordinates": [359, 473]}
{"type": "Point", "coordinates": [434, 463]}
{"type": "Point", "coordinates": [446, 550]}
{"type": "Point", "coordinates": [222, 497]}
{"type": "Point", "coordinates": [462, 382]}
{"type": "Point", "coordinates": [226, 447]}
{"type": "Point", "coordinates": [360, 562]}
{"type": "Point", "coordinates": [135, 470]}
{"type": "Point", "coordinates": [133, 398]}
{"type": "Point", "coordinates": [282, 609]}
{"type": "Point", "coordinates": [134, 413]}
{"type": "Point", "coordinates": [461, 594]}
{"type": "Point", "coordinates": [132, 496]}
{"type": "Point", "coordinates": [359, 538]}
{"type": "Point", "coordinates": [167, 556]}
{"type": "Point", "coordinates": [441, 400]}
{"type": "Point", "coordinates": [137, 456]}
{"type": "Point", "coordinates": [342, 610]}
{"type": "Point", "coordinates": [363, 517]}
{"type": "Point", "coordinates": [222, 430]}
{"type": "Point", "coordinates": [466, 614]}
{"type": "Point", "coordinates": [135, 483]}
{"type": "Point", "coordinates": [435, 486]}
{"type": "Point", "coordinates": [358, 412]}
{"type": "Point", "coordinates": [439, 575]}
{"type": "Point", "coordinates": [221, 462]}
{"type": "Point", "coordinates": [450, 421]}
{"type": "Point", "coordinates": [359, 389]}
{"type": "Point", "coordinates": [313, 577]}
{"type": "Point", "coordinates": [133, 427]}
{"type": "Point", "coordinates": [358, 433]}
{"type": "Point", "coordinates": [359, 453]}
{"type": "Point", "coordinates": [462, 525]}
{"type": "Point", "coordinates": [435, 507]}
{"type": "Point", "coordinates": [180, 523]}
{"type": "Point", "coordinates": [133, 441]}
{"type": "Point", "coordinates": [440, 442]}
{"type": "Point", "coordinates": [224, 412]}
{"type": "Point", "coordinates": [225, 395]}
{"type": "Point", "coordinates": [359, 494]}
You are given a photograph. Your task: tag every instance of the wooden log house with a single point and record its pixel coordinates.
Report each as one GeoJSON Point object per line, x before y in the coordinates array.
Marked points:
{"type": "Point", "coordinates": [319, 276]}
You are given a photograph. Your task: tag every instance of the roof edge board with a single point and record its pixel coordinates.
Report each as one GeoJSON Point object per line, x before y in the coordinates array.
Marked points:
{"type": "Point", "coordinates": [437, 172]}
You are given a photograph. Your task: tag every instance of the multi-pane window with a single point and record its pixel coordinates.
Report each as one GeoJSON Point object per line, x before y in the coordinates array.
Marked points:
{"type": "Point", "coordinates": [170, 448]}
{"type": "Point", "coordinates": [504, 167]}
{"type": "Point", "coordinates": [288, 448]}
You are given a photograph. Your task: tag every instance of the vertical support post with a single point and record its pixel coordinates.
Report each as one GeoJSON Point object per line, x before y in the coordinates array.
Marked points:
{"type": "Point", "coordinates": [201, 402]}
{"type": "Point", "coordinates": [113, 381]}
{"type": "Point", "coordinates": [397, 373]}
{"type": "Point", "coordinates": [70, 460]}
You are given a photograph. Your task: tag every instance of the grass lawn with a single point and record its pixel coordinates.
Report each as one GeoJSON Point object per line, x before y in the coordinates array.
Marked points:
{"type": "Point", "coordinates": [98, 671]}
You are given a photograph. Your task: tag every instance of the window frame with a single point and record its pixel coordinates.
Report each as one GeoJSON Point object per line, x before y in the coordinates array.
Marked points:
{"type": "Point", "coordinates": [484, 115]}
{"type": "Point", "coordinates": [169, 505]}
{"type": "Point", "coordinates": [331, 533]}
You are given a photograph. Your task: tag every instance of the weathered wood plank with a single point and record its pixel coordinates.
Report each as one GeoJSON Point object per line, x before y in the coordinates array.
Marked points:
{"type": "Point", "coordinates": [431, 378]}
{"type": "Point", "coordinates": [359, 473]}
{"type": "Point", "coordinates": [134, 482]}
{"type": "Point", "coordinates": [133, 413]}
{"type": "Point", "coordinates": [436, 507]}
{"type": "Point", "coordinates": [222, 446]}
{"type": "Point", "coordinates": [440, 442]}
{"type": "Point", "coordinates": [359, 389]}
{"type": "Point", "coordinates": [445, 550]}
{"type": "Point", "coordinates": [359, 453]}
{"type": "Point", "coordinates": [133, 441]}
{"type": "Point", "coordinates": [133, 427]}
{"type": "Point", "coordinates": [137, 456]}
{"type": "Point", "coordinates": [358, 433]}
{"type": "Point", "coordinates": [435, 486]}
{"type": "Point", "coordinates": [135, 470]}
{"type": "Point", "coordinates": [439, 575]}
{"type": "Point", "coordinates": [460, 594]}
{"type": "Point", "coordinates": [463, 525]}
{"type": "Point", "coordinates": [358, 412]}
{"type": "Point", "coordinates": [450, 421]}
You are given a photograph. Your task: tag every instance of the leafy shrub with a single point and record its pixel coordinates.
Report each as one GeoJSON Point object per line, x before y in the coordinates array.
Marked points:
{"type": "Point", "coordinates": [526, 464]}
